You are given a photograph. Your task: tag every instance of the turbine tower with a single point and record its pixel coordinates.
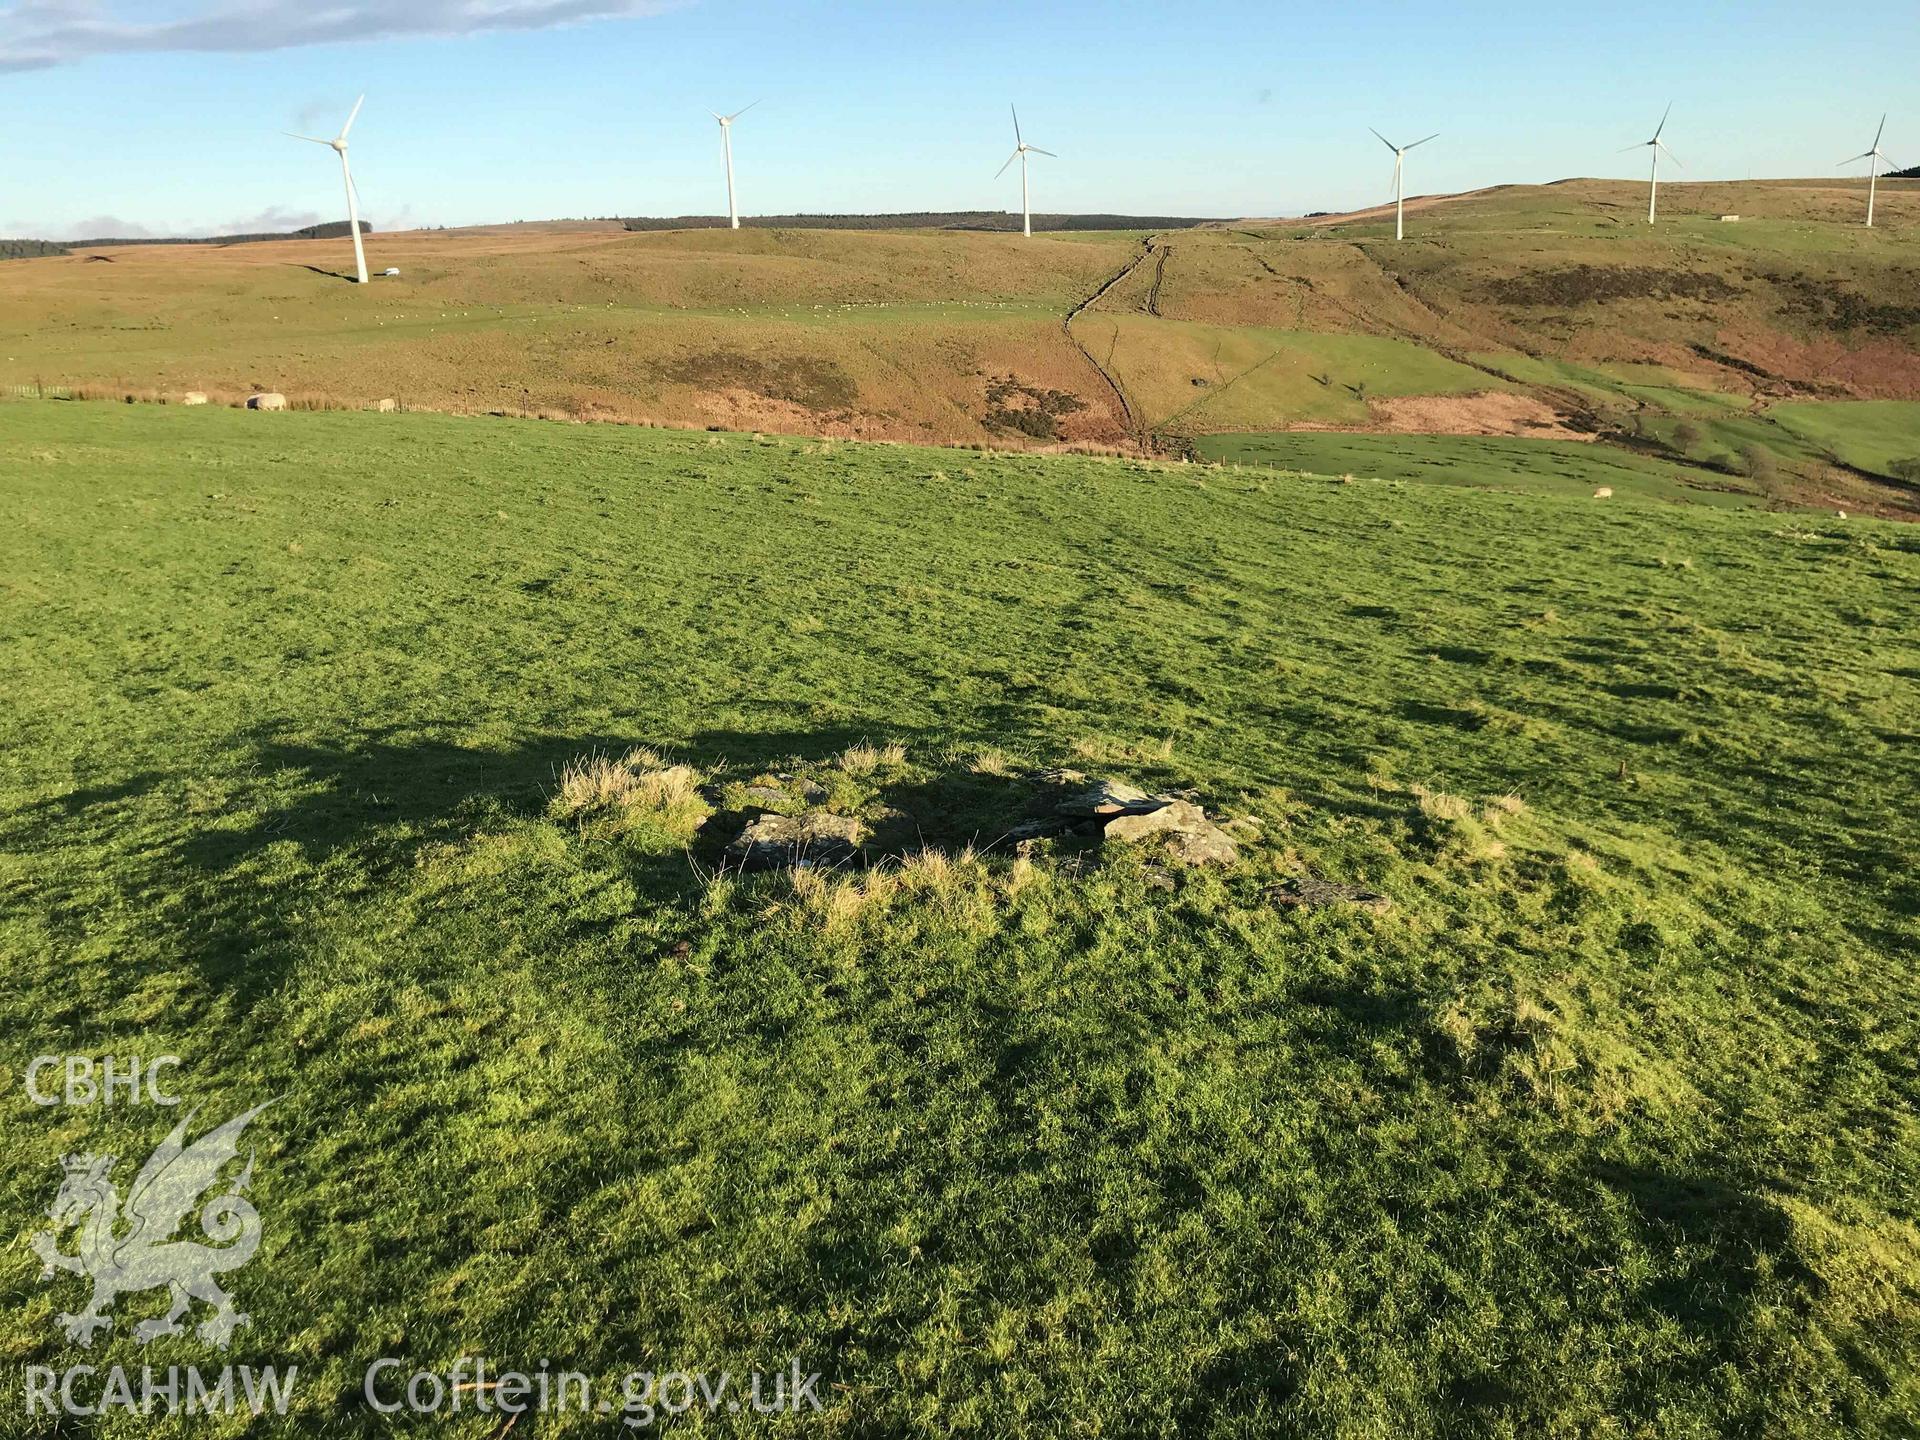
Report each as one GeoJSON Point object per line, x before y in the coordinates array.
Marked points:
{"type": "Point", "coordinates": [726, 146]}
{"type": "Point", "coordinates": [1875, 156]}
{"type": "Point", "coordinates": [339, 147]}
{"type": "Point", "coordinates": [1400, 179]}
{"type": "Point", "coordinates": [1658, 147]}
{"type": "Point", "coordinates": [1020, 152]}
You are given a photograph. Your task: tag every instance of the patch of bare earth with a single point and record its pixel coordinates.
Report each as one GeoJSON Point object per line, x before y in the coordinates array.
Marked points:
{"type": "Point", "coordinates": [738, 409]}
{"type": "Point", "coordinates": [1491, 412]}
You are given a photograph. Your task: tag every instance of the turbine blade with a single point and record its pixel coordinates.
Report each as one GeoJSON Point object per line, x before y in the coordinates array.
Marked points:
{"type": "Point", "coordinates": [313, 139]}
{"type": "Point", "coordinates": [1003, 169]}
{"type": "Point", "coordinates": [1878, 133]}
{"type": "Point", "coordinates": [741, 111]}
{"type": "Point", "coordinates": [1855, 159]}
{"type": "Point", "coordinates": [1670, 155]}
{"type": "Point", "coordinates": [1416, 144]}
{"type": "Point", "coordinates": [1016, 126]}
{"type": "Point", "coordinates": [1384, 141]}
{"type": "Point", "coordinates": [355, 115]}
{"type": "Point", "coordinates": [1035, 149]}
{"type": "Point", "coordinates": [1637, 145]}
{"type": "Point", "coordinates": [1663, 120]}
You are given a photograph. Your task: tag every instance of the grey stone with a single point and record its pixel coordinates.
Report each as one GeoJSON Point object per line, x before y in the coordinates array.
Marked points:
{"type": "Point", "coordinates": [1139, 824]}
{"type": "Point", "coordinates": [1181, 827]}
{"type": "Point", "coordinates": [1205, 844]}
{"type": "Point", "coordinates": [1108, 797]}
{"type": "Point", "coordinates": [819, 837]}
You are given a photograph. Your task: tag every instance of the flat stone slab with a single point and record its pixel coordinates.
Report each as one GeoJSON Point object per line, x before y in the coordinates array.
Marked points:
{"type": "Point", "coordinates": [817, 838]}
{"type": "Point", "coordinates": [1114, 810]}
{"type": "Point", "coordinates": [1205, 844]}
{"type": "Point", "coordinates": [1181, 827]}
{"type": "Point", "coordinates": [1108, 797]}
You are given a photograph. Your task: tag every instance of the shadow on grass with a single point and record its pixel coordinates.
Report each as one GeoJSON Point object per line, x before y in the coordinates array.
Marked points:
{"type": "Point", "coordinates": [369, 805]}
{"type": "Point", "coordinates": [1722, 1245]}
{"type": "Point", "coordinates": [1722, 1255]}
{"type": "Point", "coordinates": [373, 803]}
{"type": "Point", "coordinates": [331, 274]}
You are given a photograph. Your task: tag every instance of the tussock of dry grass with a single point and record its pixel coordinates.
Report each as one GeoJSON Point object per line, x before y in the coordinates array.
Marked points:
{"type": "Point", "coordinates": [628, 791]}
{"type": "Point", "coordinates": [952, 882]}
{"type": "Point", "coordinates": [864, 759]}
{"type": "Point", "coordinates": [1458, 829]}
{"type": "Point", "coordinates": [1438, 805]}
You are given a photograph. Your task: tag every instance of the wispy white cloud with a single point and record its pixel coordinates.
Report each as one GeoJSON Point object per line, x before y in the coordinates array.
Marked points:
{"type": "Point", "coordinates": [93, 227]}
{"type": "Point", "coordinates": [36, 34]}
{"type": "Point", "coordinates": [274, 220]}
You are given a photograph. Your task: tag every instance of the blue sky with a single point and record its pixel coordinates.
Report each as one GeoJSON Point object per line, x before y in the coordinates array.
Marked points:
{"type": "Point", "coordinates": [118, 117]}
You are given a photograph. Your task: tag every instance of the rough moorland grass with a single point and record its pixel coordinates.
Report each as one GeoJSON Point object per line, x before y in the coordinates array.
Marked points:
{"type": "Point", "coordinates": [594, 325]}
{"type": "Point", "coordinates": [1608, 1127]}
{"type": "Point", "coordinates": [1559, 288]}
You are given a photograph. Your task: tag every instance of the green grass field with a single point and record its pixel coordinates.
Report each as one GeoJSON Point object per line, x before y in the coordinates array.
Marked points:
{"type": "Point", "coordinates": [1649, 385]}
{"type": "Point", "coordinates": [1874, 435]}
{"type": "Point", "coordinates": [1611, 1126]}
{"type": "Point", "coordinates": [1566, 468]}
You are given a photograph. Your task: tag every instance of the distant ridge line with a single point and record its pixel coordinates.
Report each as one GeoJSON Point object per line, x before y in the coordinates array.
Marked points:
{"type": "Point", "coordinates": [991, 220]}
{"type": "Point", "coordinates": [24, 249]}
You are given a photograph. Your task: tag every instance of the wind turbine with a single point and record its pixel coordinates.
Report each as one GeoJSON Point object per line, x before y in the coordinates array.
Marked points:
{"type": "Point", "coordinates": [339, 147]}
{"type": "Point", "coordinates": [1657, 146]}
{"type": "Point", "coordinates": [1400, 179]}
{"type": "Point", "coordinates": [726, 145]}
{"type": "Point", "coordinates": [1020, 152]}
{"type": "Point", "coordinates": [1875, 155]}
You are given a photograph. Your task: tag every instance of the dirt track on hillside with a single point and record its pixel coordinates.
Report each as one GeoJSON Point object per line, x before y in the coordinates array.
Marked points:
{"type": "Point", "coordinates": [1126, 409]}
